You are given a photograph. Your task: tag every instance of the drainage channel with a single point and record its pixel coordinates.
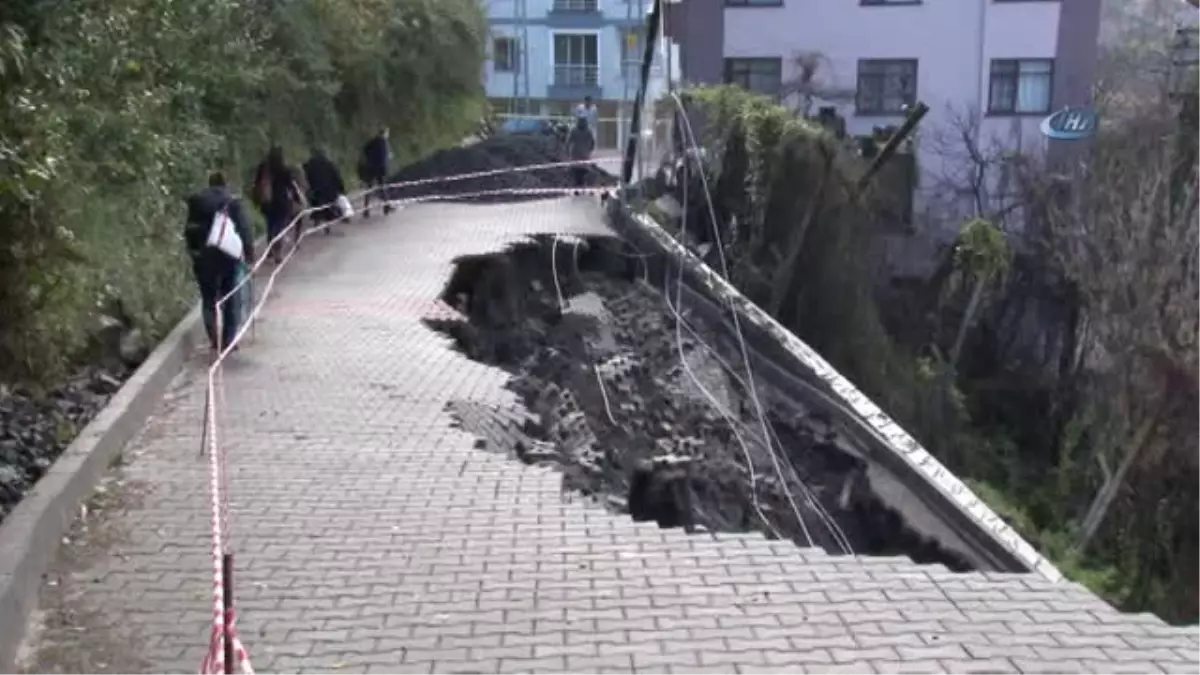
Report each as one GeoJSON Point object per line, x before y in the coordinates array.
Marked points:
{"type": "Point", "coordinates": [653, 417]}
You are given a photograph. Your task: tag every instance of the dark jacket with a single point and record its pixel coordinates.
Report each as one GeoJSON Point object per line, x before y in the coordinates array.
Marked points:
{"type": "Point", "coordinates": [283, 190]}
{"type": "Point", "coordinates": [375, 157]}
{"type": "Point", "coordinates": [580, 143]}
{"type": "Point", "coordinates": [202, 208]}
{"type": "Point", "coordinates": [324, 180]}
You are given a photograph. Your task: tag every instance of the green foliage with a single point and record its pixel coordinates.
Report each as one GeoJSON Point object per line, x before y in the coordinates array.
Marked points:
{"type": "Point", "coordinates": [982, 250]}
{"type": "Point", "coordinates": [111, 111]}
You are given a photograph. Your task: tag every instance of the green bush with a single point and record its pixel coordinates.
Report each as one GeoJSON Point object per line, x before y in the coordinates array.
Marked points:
{"type": "Point", "coordinates": [111, 111]}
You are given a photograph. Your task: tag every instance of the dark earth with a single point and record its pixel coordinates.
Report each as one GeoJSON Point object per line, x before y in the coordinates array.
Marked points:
{"type": "Point", "coordinates": [610, 402]}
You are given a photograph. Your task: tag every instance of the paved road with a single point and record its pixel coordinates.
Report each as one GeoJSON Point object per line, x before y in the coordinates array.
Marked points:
{"type": "Point", "coordinates": [371, 535]}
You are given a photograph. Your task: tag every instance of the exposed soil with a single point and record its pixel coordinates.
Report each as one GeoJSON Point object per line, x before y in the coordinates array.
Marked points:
{"type": "Point", "coordinates": [35, 427]}
{"type": "Point", "coordinates": [497, 152]}
{"type": "Point", "coordinates": [626, 407]}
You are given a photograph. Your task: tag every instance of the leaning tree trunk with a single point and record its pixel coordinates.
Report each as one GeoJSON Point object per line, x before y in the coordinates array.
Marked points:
{"type": "Point", "coordinates": [1099, 509]}
{"type": "Point", "coordinates": [968, 318]}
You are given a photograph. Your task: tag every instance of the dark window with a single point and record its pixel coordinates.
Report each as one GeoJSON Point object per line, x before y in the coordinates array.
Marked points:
{"type": "Point", "coordinates": [575, 5]}
{"type": "Point", "coordinates": [885, 86]}
{"type": "Point", "coordinates": [504, 54]}
{"type": "Point", "coordinates": [1020, 86]}
{"type": "Point", "coordinates": [576, 59]}
{"type": "Point", "coordinates": [761, 75]}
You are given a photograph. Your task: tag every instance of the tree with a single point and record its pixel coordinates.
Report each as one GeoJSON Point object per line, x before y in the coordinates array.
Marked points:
{"type": "Point", "coordinates": [111, 110]}
{"type": "Point", "coordinates": [808, 83]}
{"type": "Point", "coordinates": [981, 258]}
{"type": "Point", "coordinates": [1124, 230]}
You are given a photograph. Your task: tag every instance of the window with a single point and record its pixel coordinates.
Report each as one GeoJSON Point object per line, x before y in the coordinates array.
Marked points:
{"type": "Point", "coordinates": [882, 3]}
{"type": "Point", "coordinates": [504, 54]}
{"type": "Point", "coordinates": [575, 6]}
{"type": "Point", "coordinates": [885, 86]}
{"type": "Point", "coordinates": [1020, 86]}
{"type": "Point", "coordinates": [576, 59]}
{"type": "Point", "coordinates": [762, 75]}
{"type": "Point", "coordinates": [753, 3]}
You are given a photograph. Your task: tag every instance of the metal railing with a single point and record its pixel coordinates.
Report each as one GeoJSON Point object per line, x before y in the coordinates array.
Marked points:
{"type": "Point", "coordinates": [575, 6]}
{"type": "Point", "coordinates": [576, 75]}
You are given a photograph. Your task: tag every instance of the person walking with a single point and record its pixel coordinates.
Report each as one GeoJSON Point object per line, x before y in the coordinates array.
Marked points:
{"type": "Point", "coordinates": [591, 113]}
{"type": "Point", "coordinates": [215, 271]}
{"type": "Point", "coordinates": [325, 185]}
{"type": "Point", "coordinates": [277, 196]}
{"type": "Point", "coordinates": [373, 170]}
{"type": "Point", "coordinates": [580, 144]}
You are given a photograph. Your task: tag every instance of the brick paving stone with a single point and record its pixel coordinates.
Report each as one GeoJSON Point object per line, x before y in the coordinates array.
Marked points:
{"type": "Point", "coordinates": [370, 535]}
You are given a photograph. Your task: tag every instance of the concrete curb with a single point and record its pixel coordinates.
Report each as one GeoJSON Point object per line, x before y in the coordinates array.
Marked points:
{"type": "Point", "coordinates": [31, 534]}
{"type": "Point", "coordinates": [942, 492]}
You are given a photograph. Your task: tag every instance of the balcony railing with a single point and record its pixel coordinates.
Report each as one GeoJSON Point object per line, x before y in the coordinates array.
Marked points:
{"type": "Point", "coordinates": [575, 6]}
{"type": "Point", "coordinates": [576, 75]}
{"type": "Point", "coordinates": [632, 70]}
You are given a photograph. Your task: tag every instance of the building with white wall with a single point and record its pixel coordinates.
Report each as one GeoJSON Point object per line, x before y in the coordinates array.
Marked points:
{"type": "Point", "coordinates": [998, 65]}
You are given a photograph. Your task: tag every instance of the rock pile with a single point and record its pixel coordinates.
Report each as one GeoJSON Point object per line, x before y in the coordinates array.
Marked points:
{"type": "Point", "coordinates": [35, 428]}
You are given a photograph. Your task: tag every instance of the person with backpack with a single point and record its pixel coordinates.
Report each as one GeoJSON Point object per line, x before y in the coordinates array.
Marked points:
{"type": "Point", "coordinates": [591, 113]}
{"type": "Point", "coordinates": [373, 170]}
{"type": "Point", "coordinates": [580, 144]}
{"type": "Point", "coordinates": [325, 186]}
{"type": "Point", "coordinates": [277, 196]}
{"type": "Point", "coordinates": [217, 270]}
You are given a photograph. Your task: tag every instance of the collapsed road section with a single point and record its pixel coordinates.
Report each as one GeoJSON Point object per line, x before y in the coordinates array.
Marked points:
{"type": "Point", "coordinates": [647, 408]}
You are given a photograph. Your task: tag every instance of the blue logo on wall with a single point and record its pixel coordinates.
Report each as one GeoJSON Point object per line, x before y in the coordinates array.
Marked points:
{"type": "Point", "coordinates": [1070, 124]}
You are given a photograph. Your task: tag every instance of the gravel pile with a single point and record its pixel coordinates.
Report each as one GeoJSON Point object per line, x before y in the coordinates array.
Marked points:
{"type": "Point", "coordinates": [495, 153]}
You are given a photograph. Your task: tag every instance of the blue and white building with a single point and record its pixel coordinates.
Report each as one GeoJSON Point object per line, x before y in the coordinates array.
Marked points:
{"type": "Point", "coordinates": [546, 55]}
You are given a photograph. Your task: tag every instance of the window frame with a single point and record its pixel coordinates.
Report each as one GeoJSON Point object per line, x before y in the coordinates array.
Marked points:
{"type": "Point", "coordinates": [591, 71]}
{"type": "Point", "coordinates": [729, 63]}
{"type": "Point", "coordinates": [510, 52]}
{"type": "Point", "coordinates": [1012, 110]}
{"type": "Point", "coordinates": [883, 111]}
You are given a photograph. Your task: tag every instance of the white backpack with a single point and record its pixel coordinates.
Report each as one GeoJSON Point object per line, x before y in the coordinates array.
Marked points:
{"type": "Point", "coordinates": [223, 236]}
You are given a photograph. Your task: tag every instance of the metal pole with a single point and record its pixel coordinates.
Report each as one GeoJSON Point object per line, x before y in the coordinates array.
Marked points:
{"type": "Point", "coordinates": [227, 584]}
{"type": "Point", "coordinates": [525, 52]}
{"type": "Point", "coordinates": [519, 44]}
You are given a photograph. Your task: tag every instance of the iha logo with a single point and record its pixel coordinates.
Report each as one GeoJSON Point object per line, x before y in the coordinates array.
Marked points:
{"type": "Point", "coordinates": [1070, 124]}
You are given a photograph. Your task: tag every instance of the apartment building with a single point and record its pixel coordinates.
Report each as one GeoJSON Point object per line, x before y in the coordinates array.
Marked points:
{"type": "Point", "coordinates": [546, 55]}
{"type": "Point", "coordinates": [1005, 64]}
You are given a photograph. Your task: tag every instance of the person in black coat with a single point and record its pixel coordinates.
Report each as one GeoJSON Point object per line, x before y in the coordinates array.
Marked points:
{"type": "Point", "coordinates": [277, 196]}
{"type": "Point", "coordinates": [325, 185]}
{"type": "Point", "coordinates": [373, 170]}
{"type": "Point", "coordinates": [215, 271]}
